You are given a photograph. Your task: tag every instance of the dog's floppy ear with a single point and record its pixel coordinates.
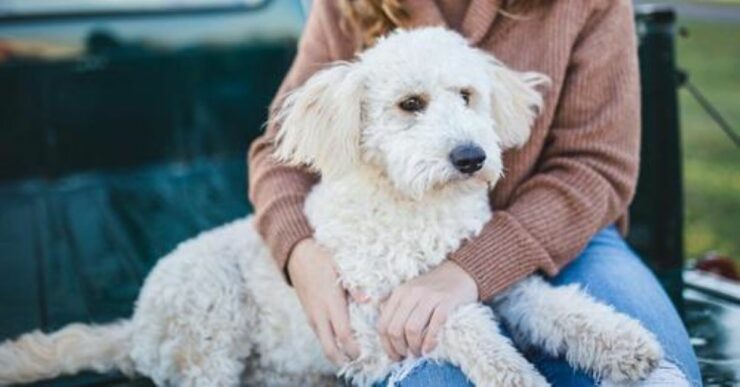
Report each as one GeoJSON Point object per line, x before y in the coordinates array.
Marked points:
{"type": "Point", "coordinates": [515, 102]}
{"type": "Point", "coordinates": [320, 121]}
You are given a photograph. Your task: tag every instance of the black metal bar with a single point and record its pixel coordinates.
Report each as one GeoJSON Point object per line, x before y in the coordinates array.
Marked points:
{"type": "Point", "coordinates": [656, 214]}
{"type": "Point", "coordinates": [712, 112]}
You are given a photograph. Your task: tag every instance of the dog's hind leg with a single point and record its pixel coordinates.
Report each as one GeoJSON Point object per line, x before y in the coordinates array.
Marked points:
{"type": "Point", "coordinates": [209, 353]}
{"type": "Point", "coordinates": [471, 340]}
{"type": "Point", "coordinates": [564, 320]}
{"type": "Point", "coordinates": [195, 320]}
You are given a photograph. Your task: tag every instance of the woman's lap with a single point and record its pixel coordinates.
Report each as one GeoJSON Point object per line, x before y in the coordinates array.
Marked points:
{"type": "Point", "coordinates": [611, 272]}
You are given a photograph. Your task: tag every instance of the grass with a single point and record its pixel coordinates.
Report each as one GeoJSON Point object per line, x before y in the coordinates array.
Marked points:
{"type": "Point", "coordinates": [730, 2]}
{"type": "Point", "coordinates": [711, 55]}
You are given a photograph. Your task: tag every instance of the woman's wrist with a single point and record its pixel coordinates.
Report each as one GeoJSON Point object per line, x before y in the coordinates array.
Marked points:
{"type": "Point", "coordinates": [296, 254]}
{"type": "Point", "coordinates": [466, 281]}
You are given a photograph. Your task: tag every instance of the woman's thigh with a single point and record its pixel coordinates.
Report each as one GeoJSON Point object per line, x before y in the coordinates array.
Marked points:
{"type": "Point", "coordinates": [612, 273]}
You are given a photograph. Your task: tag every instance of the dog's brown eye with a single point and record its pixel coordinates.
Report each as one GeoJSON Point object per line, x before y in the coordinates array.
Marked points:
{"type": "Point", "coordinates": [413, 103]}
{"type": "Point", "coordinates": [465, 94]}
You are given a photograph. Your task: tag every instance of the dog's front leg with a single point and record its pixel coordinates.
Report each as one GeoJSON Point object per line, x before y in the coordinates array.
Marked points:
{"type": "Point", "coordinates": [567, 321]}
{"type": "Point", "coordinates": [471, 340]}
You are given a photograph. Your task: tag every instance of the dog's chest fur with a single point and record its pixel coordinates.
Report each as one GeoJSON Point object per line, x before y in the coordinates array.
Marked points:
{"type": "Point", "coordinates": [380, 240]}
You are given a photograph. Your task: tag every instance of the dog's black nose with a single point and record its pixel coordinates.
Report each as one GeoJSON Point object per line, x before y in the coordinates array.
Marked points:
{"type": "Point", "coordinates": [468, 158]}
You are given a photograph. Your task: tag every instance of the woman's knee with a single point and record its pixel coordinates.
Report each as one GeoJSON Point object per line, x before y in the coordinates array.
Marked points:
{"type": "Point", "coordinates": [610, 271]}
{"type": "Point", "coordinates": [666, 375]}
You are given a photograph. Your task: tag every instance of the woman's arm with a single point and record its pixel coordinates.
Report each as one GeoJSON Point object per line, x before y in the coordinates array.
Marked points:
{"type": "Point", "coordinates": [587, 173]}
{"type": "Point", "coordinates": [278, 191]}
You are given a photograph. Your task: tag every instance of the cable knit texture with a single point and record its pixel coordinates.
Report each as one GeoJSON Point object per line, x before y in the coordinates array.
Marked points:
{"type": "Point", "coordinates": [576, 174]}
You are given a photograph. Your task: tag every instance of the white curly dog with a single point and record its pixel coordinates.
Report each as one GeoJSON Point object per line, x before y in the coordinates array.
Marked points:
{"type": "Point", "coordinates": [408, 140]}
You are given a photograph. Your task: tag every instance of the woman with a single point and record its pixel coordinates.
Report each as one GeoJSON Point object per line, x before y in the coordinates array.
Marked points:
{"type": "Point", "coordinates": [559, 210]}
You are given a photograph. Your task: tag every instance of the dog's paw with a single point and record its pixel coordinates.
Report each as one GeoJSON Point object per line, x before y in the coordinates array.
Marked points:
{"type": "Point", "coordinates": [509, 375]}
{"type": "Point", "coordinates": [529, 378]}
{"type": "Point", "coordinates": [532, 378]}
{"type": "Point", "coordinates": [633, 355]}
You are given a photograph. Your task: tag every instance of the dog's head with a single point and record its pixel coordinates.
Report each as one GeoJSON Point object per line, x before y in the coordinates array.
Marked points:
{"type": "Point", "coordinates": [421, 106]}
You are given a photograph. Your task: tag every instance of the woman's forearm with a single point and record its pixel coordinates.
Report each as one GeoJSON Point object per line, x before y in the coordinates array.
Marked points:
{"type": "Point", "coordinates": [278, 191]}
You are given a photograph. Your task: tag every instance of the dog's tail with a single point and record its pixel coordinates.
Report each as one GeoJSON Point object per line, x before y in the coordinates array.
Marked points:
{"type": "Point", "coordinates": [37, 356]}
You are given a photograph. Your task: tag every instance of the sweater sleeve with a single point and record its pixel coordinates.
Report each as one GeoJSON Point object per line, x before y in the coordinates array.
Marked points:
{"type": "Point", "coordinates": [278, 191]}
{"type": "Point", "coordinates": [585, 176]}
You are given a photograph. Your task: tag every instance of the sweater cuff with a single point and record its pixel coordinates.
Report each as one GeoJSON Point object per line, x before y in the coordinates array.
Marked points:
{"type": "Point", "coordinates": [285, 226]}
{"type": "Point", "coordinates": [501, 255]}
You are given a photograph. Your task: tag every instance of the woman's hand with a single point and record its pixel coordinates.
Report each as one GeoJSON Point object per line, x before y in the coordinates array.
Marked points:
{"type": "Point", "coordinates": [410, 319]}
{"type": "Point", "coordinates": [324, 301]}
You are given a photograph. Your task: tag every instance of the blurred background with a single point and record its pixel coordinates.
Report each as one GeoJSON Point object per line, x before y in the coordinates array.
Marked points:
{"type": "Point", "coordinates": [708, 50]}
{"type": "Point", "coordinates": [124, 126]}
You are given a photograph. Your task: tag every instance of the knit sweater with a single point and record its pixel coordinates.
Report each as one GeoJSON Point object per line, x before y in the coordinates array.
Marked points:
{"type": "Point", "coordinates": [576, 174]}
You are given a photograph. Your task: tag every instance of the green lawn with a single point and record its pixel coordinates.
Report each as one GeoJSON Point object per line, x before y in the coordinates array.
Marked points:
{"type": "Point", "coordinates": [713, 1]}
{"type": "Point", "coordinates": [711, 55]}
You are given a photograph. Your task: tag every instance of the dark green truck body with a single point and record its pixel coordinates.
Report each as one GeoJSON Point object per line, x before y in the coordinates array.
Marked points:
{"type": "Point", "coordinates": [110, 158]}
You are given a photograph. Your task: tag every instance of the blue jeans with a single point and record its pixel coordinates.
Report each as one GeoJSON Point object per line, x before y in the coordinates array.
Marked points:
{"type": "Point", "coordinates": [611, 272]}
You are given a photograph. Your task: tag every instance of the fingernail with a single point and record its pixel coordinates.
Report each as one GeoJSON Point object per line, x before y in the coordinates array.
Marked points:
{"type": "Point", "coordinates": [426, 348]}
{"type": "Point", "coordinates": [355, 354]}
{"type": "Point", "coordinates": [359, 296]}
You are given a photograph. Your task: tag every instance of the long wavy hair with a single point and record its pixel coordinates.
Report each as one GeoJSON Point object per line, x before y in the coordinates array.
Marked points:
{"type": "Point", "coordinates": [369, 19]}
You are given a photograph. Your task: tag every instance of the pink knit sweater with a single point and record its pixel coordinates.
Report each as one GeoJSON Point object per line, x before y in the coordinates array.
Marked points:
{"type": "Point", "coordinates": [576, 174]}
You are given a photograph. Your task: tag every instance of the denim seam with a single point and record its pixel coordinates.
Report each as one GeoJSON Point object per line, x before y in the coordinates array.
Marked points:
{"type": "Point", "coordinates": [682, 367]}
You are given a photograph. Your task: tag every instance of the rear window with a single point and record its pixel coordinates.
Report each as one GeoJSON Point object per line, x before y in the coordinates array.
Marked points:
{"type": "Point", "coordinates": [9, 8]}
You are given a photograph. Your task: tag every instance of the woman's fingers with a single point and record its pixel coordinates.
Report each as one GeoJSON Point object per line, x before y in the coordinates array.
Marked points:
{"type": "Point", "coordinates": [439, 317]}
{"type": "Point", "coordinates": [394, 317]}
{"type": "Point", "coordinates": [328, 344]}
{"type": "Point", "coordinates": [397, 326]}
{"type": "Point", "coordinates": [311, 268]}
{"type": "Point", "coordinates": [385, 342]}
{"type": "Point", "coordinates": [339, 315]}
{"type": "Point", "coordinates": [387, 311]}
{"type": "Point", "coordinates": [417, 323]}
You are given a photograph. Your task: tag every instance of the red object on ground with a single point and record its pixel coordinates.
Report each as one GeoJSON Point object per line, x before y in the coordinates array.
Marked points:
{"type": "Point", "coordinates": [720, 265]}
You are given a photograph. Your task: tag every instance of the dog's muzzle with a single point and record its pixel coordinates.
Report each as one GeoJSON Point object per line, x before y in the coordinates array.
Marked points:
{"type": "Point", "coordinates": [468, 158]}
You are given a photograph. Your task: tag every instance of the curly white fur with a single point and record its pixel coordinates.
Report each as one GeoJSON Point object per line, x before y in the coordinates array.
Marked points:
{"type": "Point", "coordinates": [390, 207]}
